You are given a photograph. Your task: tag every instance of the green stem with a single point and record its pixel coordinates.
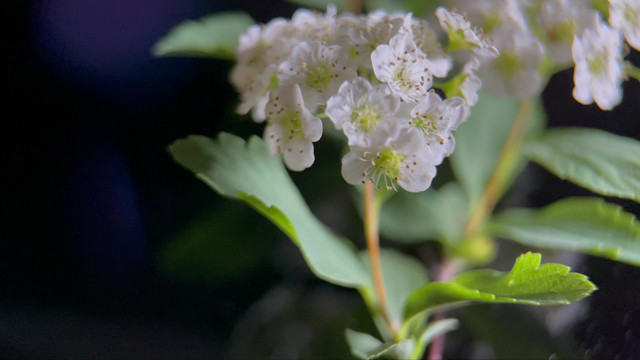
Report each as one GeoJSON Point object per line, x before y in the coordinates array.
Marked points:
{"type": "Point", "coordinates": [371, 221]}
{"type": "Point", "coordinates": [632, 71]}
{"type": "Point", "coordinates": [502, 172]}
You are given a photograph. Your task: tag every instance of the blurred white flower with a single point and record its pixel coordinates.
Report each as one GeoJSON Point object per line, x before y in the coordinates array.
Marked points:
{"type": "Point", "coordinates": [472, 83]}
{"type": "Point", "coordinates": [367, 33]}
{"type": "Point", "coordinates": [291, 129]}
{"type": "Point", "coordinates": [624, 15]}
{"type": "Point", "coordinates": [260, 50]}
{"type": "Point", "coordinates": [515, 71]}
{"type": "Point", "coordinates": [462, 35]}
{"type": "Point", "coordinates": [561, 20]}
{"type": "Point", "coordinates": [599, 70]}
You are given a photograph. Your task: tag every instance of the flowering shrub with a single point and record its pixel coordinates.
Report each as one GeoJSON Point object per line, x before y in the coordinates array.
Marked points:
{"type": "Point", "coordinates": [398, 87]}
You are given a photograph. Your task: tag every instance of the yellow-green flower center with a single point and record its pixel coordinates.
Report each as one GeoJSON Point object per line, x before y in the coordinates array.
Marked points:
{"type": "Point", "coordinates": [291, 123]}
{"type": "Point", "coordinates": [319, 77]}
{"type": "Point", "coordinates": [400, 78]}
{"type": "Point", "coordinates": [426, 123]}
{"type": "Point", "coordinates": [562, 32]}
{"type": "Point", "coordinates": [598, 63]}
{"type": "Point", "coordinates": [387, 163]}
{"type": "Point", "coordinates": [508, 63]}
{"type": "Point", "coordinates": [365, 118]}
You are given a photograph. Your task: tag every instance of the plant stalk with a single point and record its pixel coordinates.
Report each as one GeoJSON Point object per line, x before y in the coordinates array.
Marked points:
{"type": "Point", "coordinates": [492, 193]}
{"type": "Point", "coordinates": [447, 271]}
{"type": "Point", "coordinates": [502, 172]}
{"type": "Point", "coordinates": [371, 222]}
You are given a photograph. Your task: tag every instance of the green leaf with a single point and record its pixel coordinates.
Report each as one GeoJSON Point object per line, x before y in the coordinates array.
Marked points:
{"type": "Point", "coordinates": [433, 214]}
{"type": "Point", "coordinates": [341, 5]}
{"type": "Point", "coordinates": [402, 275]}
{"type": "Point", "coordinates": [602, 162]}
{"type": "Point", "coordinates": [213, 36]}
{"type": "Point", "coordinates": [434, 329]}
{"type": "Point", "coordinates": [588, 225]}
{"type": "Point", "coordinates": [528, 282]}
{"type": "Point", "coordinates": [365, 346]}
{"type": "Point", "coordinates": [247, 172]}
{"type": "Point", "coordinates": [479, 142]}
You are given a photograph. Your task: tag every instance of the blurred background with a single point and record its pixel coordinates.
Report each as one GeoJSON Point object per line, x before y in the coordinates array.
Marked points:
{"type": "Point", "coordinates": [109, 249]}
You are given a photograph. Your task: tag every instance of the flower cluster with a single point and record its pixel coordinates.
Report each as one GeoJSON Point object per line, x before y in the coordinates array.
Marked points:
{"type": "Point", "coordinates": [373, 77]}
{"type": "Point", "coordinates": [539, 37]}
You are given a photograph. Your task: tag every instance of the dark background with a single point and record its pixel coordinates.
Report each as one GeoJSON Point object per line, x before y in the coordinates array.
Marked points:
{"type": "Point", "coordinates": [106, 245]}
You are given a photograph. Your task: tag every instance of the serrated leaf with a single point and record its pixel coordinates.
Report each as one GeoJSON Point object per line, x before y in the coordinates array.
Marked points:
{"type": "Point", "coordinates": [365, 346]}
{"type": "Point", "coordinates": [602, 162]}
{"type": "Point", "coordinates": [588, 225]}
{"type": "Point", "coordinates": [247, 172]}
{"type": "Point", "coordinates": [433, 214]}
{"type": "Point", "coordinates": [402, 275]}
{"type": "Point", "coordinates": [341, 5]}
{"type": "Point", "coordinates": [528, 282]}
{"type": "Point", "coordinates": [214, 36]}
{"type": "Point", "coordinates": [479, 142]}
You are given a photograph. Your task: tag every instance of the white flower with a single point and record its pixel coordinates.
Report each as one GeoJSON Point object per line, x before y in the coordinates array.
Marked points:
{"type": "Point", "coordinates": [515, 71]}
{"type": "Point", "coordinates": [471, 83]}
{"type": "Point", "coordinates": [291, 129]}
{"type": "Point", "coordinates": [427, 40]}
{"type": "Point", "coordinates": [259, 52]}
{"type": "Point", "coordinates": [401, 159]}
{"type": "Point", "coordinates": [462, 35]}
{"type": "Point", "coordinates": [435, 119]}
{"type": "Point", "coordinates": [624, 15]}
{"type": "Point", "coordinates": [561, 20]}
{"type": "Point", "coordinates": [311, 25]}
{"type": "Point", "coordinates": [318, 69]}
{"type": "Point", "coordinates": [369, 32]}
{"type": "Point", "coordinates": [403, 67]}
{"type": "Point", "coordinates": [490, 14]}
{"type": "Point", "coordinates": [359, 110]}
{"type": "Point", "coordinates": [599, 66]}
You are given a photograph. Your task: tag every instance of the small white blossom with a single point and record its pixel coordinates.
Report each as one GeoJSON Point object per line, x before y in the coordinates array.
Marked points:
{"type": "Point", "coordinates": [435, 119]}
{"type": "Point", "coordinates": [369, 32]}
{"type": "Point", "coordinates": [427, 40]}
{"type": "Point", "coordinates": [260, 50]}
{"type": "Point", "coordinates": [462, 35]}
{"type": "Point", "coordinates": [561, 20]}
{"type": "Point", "coordinates": [624, 15]}
{"type": "Point", "coordinates": [314, 26]}
{"type": "Point", "coordinates": [360, 110]}
{"type": "Point", "coordinates": [291, 129]}
{"type": "Point", "coordinates": [402, 159]}
{"type": "Point", "coordinates": [515, 71]}
{"type": "Point", "coordinates": [471, 83]}
{"type": "Point", "coordinates": [318, 69]}
{"type": "Point", "coordinates": [403, 67]}
{"type": "Point", "coordinates": [599, 66]}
